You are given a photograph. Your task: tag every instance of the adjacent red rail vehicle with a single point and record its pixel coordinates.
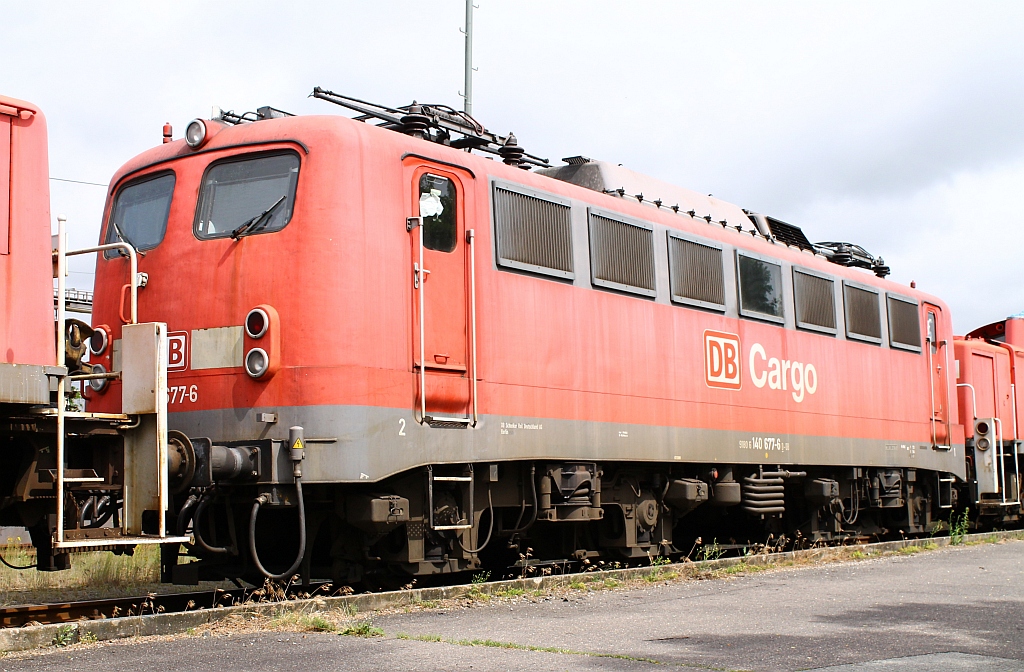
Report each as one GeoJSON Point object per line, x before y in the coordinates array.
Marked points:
{"type": "Point", "coordinates": [400, 343]}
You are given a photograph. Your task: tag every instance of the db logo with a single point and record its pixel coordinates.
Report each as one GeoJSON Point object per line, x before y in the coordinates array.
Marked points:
{"type": "Point", "coordinates": [722, 360]}
{"type": "Point", "coordinates": [177, 350]}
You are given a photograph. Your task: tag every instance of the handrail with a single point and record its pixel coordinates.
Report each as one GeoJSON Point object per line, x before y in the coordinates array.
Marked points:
{"type": "Point", "coordinates": [62, 267]}
{"type": "Point", "coordinates": [949, 405]}
{"type": "Point", "coordinates": [1000, 467]}
{"type": "Point", "coordinates": [974, 398]}
{"type": "Point", "coordinates": [471, 239]}
{"type": "Point", "coordinates": [1013, 401]}
{"type": "Point", "coordinates": [931, 386]}
{"type": "Point", "coordinates": [419, 280]}
{"type": "Point", "coordinates": [134, 262]}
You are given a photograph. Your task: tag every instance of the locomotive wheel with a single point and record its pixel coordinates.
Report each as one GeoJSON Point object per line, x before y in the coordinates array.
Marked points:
{"type": "Point", "coordinates": [181, 461]}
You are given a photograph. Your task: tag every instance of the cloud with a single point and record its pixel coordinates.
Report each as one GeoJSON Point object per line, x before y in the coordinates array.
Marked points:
{"type": "Point", "coordinates": [894, 125]}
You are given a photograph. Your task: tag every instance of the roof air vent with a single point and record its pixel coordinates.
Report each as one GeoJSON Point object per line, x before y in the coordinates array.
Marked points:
{"type": "Point", "coordinates": [576, 160]}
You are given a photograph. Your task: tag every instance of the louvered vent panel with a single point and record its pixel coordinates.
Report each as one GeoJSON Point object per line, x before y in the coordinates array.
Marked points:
{"type": "Point", "coordinates": [533, 233]}
{"type": "Point", "coordinates": [697, 273]}
{"type": "Point", "coordinates": [862, 317]}
{"type": "Point", "coordinates": [815, 301]}
{"type": "Point", "coordinates": [622, 255]}
{"type": "Point", "coordinates": [904, 324]}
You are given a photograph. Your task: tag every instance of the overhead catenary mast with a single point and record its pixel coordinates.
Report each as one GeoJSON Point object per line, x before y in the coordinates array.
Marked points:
{"type": "Point", "coordinates": [468, 94]}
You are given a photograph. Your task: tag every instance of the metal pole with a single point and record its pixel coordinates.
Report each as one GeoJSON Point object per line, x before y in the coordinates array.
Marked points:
{"type": "Point", "coordinates": [62, 381]}
{"type": "Point", "coordinates": [469, 58]}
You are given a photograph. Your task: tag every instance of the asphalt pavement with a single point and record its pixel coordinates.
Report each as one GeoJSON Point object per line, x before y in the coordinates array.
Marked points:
{"type": "Point", "coordinates": [959, 608]}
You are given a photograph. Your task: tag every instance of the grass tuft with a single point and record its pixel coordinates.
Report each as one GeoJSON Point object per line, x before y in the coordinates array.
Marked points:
{"type": "Point", "coordinates": [363, 629]}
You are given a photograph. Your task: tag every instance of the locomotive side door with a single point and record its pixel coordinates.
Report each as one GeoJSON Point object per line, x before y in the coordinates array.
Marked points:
{"type": "Point", "coordinates": [937, 352]}
{"type": "Point", "coordinates": [441, 303]}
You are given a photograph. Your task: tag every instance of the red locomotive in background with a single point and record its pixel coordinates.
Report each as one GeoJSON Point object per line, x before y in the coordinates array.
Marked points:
{"type": "Point", "coordinates": [342, 347]}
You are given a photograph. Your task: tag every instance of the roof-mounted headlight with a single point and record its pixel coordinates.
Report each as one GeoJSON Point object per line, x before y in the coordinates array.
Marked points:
{"type": "Point", "coordinates": [195, 133]}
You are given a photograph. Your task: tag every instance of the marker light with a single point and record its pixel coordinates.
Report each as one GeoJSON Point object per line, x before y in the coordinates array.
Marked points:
{"type": "Point", "coordinates": [99, 384]}
{"type": "Point", "coordinates": [256, 362]}
{"type": "Point", "coordinates": [98, 341]}
{"type": "Point", "coordinates": [256, 323]}
{"type": "Point", "coordinates": [195, 133]}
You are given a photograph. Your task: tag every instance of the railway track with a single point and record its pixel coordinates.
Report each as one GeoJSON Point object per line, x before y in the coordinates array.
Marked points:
{"type": "Point", "coordinates": [66, 612]}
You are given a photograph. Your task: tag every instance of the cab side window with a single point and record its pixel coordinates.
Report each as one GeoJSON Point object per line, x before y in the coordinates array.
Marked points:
{"type": "Point", "coordinates": [437, 208]}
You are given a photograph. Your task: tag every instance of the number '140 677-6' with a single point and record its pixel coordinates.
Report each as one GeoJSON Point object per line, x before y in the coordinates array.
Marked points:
{"type": "Point", "coordinates": [179, 394]}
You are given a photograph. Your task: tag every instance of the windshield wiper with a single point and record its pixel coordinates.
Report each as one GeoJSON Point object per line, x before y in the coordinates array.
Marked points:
{"type": "Point", "coordinates": [124, 239]}
{"type": "Point", "coordinates": [254, 224]}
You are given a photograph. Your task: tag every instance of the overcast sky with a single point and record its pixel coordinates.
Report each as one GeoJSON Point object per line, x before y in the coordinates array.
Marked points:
{"type": "Point", "coordinates": [896, 126]}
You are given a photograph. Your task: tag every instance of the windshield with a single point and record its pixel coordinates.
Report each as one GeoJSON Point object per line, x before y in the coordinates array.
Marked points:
{"type": "Point", "coordinates": [255, 195]}
{"type": "Point", "coordinates": [140, 213]}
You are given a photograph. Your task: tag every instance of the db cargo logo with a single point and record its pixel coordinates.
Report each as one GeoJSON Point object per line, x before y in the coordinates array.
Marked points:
{"type": "Point", "coordinates": [722, 360]}
{"type": "Point", "coordinates": [177, 350]}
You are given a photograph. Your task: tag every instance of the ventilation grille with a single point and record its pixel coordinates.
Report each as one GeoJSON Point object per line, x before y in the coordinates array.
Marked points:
{"type": "Point", "coordinates": [815, 301]}
{"type": "Point", "coordinates": [789, 234]}
{"type": "Point", "coordinates": [862, 318]}
{"type": "Point", "coordinates": [622, 255]}
{"type": "Point", "coordinates": [532, 233]}
{"type": "Point", "coordinates": [904, 324]}
{"type": "Point", "coordinates": [697, 275]}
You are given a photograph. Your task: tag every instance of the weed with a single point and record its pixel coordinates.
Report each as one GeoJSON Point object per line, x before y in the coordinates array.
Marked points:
{"type": "Point", "coordinates": [481, 577]}
{"type": "Point", "coordinates": [654, 576]}
{"type": "Point", "coordinates": [958, 527]}
{"type": "Point", "coordinates": [317, 623]}
{"type": "Point", "coordinates": [428, 604]}
{"type": "Point", "coordinates": [611, 583]}
{"type": "Point", "coordinates": [712, 552]}
{"type": "Point", "coordinates": [420, 638]}
{"type": "Point", "coordinates": [909, 550]}
{"type": "Point", "coordinates": [304, 623]}
{"type": "Point", "coordinates": [509, 592]}
{"type": "Point", "coordinates": [659, 560]}
{"type": "Point", "coordinates": [577, 585]}
{"type": "Point", "coordinates": [65, 636]}
{"type": "Point", "coordinates": [88, 638]}
{"type": "Point", "coordinates": [363, 629]}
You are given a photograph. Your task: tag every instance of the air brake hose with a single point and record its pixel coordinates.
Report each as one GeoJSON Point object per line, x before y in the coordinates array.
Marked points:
{"type": "Point", "coordinates": [296, 443]}
{"type": "Point", "coordinates": [185, 515]}
{"type": "Point", "coordinates": [260, 501]}
{"type": "Point", "coordinates": [196, 524]}
{"type": "Point", "coordinates": [533, 513]}
{"type": "Point", "coordinates": [490, 529]}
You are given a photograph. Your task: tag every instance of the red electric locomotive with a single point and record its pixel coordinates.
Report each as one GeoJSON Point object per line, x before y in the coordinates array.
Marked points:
{"type": "Point", "coordinates": [387, 351]}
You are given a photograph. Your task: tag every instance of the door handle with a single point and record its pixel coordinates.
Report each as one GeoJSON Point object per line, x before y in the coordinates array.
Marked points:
{"type": "Point", "coordinates": [416, 271]}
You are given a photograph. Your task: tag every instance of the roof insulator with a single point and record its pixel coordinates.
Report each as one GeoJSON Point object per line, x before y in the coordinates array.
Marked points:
{"type": "Point", "coordinates": [511, 153]}
{"type": "Point", "coordinates": [415, 122]}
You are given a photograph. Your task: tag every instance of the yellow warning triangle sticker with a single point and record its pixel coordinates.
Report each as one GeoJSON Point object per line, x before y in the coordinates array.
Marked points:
{"type": "Point", "coordinates": [298, 444]}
